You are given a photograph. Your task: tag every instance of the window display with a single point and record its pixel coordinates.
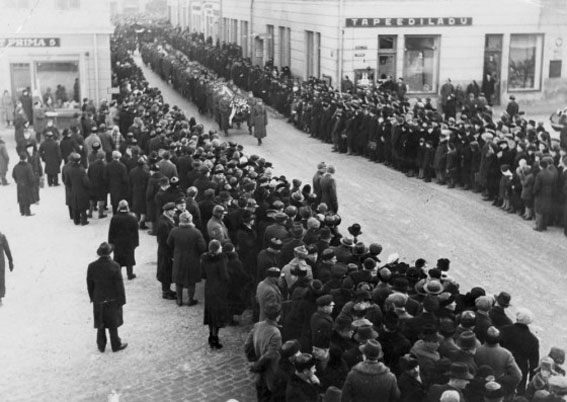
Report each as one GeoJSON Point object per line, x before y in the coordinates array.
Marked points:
{"type": "Point", "coordinates": [60, 79]}
{"type": "Point", "coordinates": [421, 63]}
{"type": "Point", "coordinates": [525, 65]}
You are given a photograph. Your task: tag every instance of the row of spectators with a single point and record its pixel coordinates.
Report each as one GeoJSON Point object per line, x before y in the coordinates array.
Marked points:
{"type": "Point", "coordinates": [462, 145]}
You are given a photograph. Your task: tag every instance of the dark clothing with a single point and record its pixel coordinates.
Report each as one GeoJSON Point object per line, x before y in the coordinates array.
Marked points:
{"type": "Point", "coordinates": [77, 180]}
{"type": "Point", "coordinates": [4, 249]}
{"type": "Point", "coordinates": [214, 271]}
{"type": "Point", "coordinates": [188, 244]}
{"type": "Point", "coordinates": [164, 226]}
{"type": "Point", "coordinates": [123, 235]}
{"type": "Point", "coordinates": [50, 154]}
{"type": "Point", "coordinates": [524, 346]}
{"type": "Point", "coordinates": [106, 291]}
{"type": "Point", "coordinates": [298, 390]}
{"type": "Point", "coordinates": [117, 180]}
{"type": "Point", "coordinates": [138, 185]}
{"type": "Point", "coordinates": [23, 176]}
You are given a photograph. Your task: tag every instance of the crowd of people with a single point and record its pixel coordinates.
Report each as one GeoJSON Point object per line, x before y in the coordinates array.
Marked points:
{"type": "Point", "coordinates": [511, 160]}
{"type": "Point", "coordinates": [332, 320]}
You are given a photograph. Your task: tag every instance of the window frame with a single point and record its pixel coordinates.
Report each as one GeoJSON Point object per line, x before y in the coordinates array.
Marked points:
{"type": "Point", "coordinates": [539, 51]}
{"type": "Point", "coordinates": [387, 52]}
{"type": "Point", "coordinates": [436, 68]}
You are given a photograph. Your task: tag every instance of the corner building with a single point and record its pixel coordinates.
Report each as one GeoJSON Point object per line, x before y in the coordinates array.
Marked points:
{"type": "Point", "coordinates": [50, 43]}
{"type": "Point", "coordinates": [522, 44]}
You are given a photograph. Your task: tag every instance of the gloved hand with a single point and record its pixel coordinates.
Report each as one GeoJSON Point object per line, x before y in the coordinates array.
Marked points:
{"type": "Point", "coordinates": [11, 266]}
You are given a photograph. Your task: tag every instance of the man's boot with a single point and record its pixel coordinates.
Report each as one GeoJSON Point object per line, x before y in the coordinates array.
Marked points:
{"type": "Point", "coordinates": [101, 213]}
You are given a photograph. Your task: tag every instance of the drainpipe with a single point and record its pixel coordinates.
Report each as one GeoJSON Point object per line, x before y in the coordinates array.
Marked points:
{"type": "Point", "coordinates": [341, 34]}
{"type": "Point", "coordinates": [97, 88]}
{"type": "Point", "coordinates": [251, 34]}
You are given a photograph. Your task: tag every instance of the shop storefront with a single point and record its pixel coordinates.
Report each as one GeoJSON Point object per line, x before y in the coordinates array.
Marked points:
{"type": "Point", "coordinates": [61, 55]}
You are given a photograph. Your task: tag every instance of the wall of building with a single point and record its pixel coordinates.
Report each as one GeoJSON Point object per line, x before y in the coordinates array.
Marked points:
{"type": "Point", "coordinates": [460, 47]}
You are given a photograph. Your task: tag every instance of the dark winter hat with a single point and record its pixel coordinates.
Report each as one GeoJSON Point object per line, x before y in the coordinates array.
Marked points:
{"type": "Point", "coordinates": [447, 327]}
{"type": "Point", "coordinates": [365, 333]}
{"type": "Point", "coordinates": [275, 244]}
{"type": "Point", "coordinates": [431, 303]}
{"type": "Point", "coordinates": [467, 318]}
{"type": "Point", "coordinates": [280, 217]}
{"type": "Point", "coordinates": [504, 299]}
{"type": "Point", "coordinates": [355, 230]}
{"type": "Point", "coordinates": [289, 348]}
{"type": "Point", "coordinates": [467, 340]}
{"type": "Point", "coordinates": [325, 233]}
{"type": "Point", "coordinates": [297, 230]}
{"type": "Point", "coordinates": [359, 249]}
{"type": "Point", "coordinates": [407, 362]}
{"type": "Point", "coordinates": [303, 362]}
{"type": "Point", "coordinates": [273, 272]}
{"type": "Point", "coordinates": [443, 264]}
{"type": "Point", "coordinates": [369, 264]}
{"type": "Point", "coordinates": [375, 249]}
{"type": "Point", "coordinates": [327, 254]}
{"type": "Point", "coordinates": [104, 250]}
{"type": "Point", "coordinates": [339, 269]}
{"type": "Point", "coordinates": [324, 300]}
{"type": "Point", "coordinates": [372, 349]}
{"type": "Point", "coordinates": [460, 371]}
{"type": "Point", "coordinates": [168, 206]}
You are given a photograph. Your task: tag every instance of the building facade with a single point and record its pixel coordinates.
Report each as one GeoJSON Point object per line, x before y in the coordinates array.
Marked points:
{"type": "Point", "coordinates": [521, 44]}
{"type": "Point", "coordinates": [54, 44]}
{"type": "Point", "coordinates": [199, 15]}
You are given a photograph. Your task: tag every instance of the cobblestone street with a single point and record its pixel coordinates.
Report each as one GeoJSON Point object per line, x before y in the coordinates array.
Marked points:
{"type": "Point", "coordinates": [47, 340]}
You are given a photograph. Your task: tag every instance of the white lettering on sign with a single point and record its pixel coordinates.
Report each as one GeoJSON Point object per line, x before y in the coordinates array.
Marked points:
{"type": "Point", "coordinates": [411, 21]}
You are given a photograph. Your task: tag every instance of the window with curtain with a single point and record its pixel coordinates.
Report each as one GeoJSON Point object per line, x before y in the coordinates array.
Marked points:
{"type": "Point", "coordinates": [421, 63]}
{"type": "Point", "coordinates": [525, 62]}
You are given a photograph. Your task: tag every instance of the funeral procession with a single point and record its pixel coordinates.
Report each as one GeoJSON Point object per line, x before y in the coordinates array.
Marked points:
{"type": "Point", "coordinates": [283, 200]}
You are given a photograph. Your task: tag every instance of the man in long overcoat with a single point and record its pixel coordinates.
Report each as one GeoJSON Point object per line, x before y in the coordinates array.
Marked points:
{"type": "Point", "coordinates": [98, 185]}
{"type": "Point", "coordinates": [50, 154]}
{"type": "Point", "coordinates": [164, 226]}
{"type": "Point", "coordinates": [259, 120]}
{"type": "Point", "coordinates": [24, 178]}
{"type": "Point", "coordinates": [77, 180]}
{"type": "Point", "coordinates": [123, 236]}
{"type": "Point", "coordinates": [329, 190]}
{"type": "Point", "coordinates": [4, 249]}
{"type": "Point", "coordinates": [188, 244]}
{"type": "Point", "coordinates": [106, 291]}
{"type": "Point", "coordinates": [543, 196]}
{"type": "Point", "coordinates": [139, 178]}
{"type": "Point", "coordinates": [117, 180]}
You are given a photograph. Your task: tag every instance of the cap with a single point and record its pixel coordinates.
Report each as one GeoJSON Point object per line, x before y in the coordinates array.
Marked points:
{"type": "Point", "coordinates": [324, 300]}
{"type": "Point", "coordinates": [168, 206]}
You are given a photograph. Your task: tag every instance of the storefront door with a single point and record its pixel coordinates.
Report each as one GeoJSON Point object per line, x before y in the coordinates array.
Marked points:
{"type": "Point", "coordinates": [21, 78]}
{"type": "Point", "coordinates": [493, 63]}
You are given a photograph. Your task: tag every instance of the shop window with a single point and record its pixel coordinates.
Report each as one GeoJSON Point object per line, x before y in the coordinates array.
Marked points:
{"type": "Point", "coordinates": [244, 38]}
{"type": "Point", "coordinates": [525, 64]}
{"type": "Point", "coordinates": [387, 56]}
{"type": "Point", "coordinates": [555, 68]}
{"type": "Point", "coordinates": [285, 44]}
{"type": "Point", "coordinates": [67, 4]}
{"type": "Point", "coordinates": [313, 54]}
{"type": "Point", "coordinates": [61, 79]}
{"type": "Point", "coordinates": [421, 63]}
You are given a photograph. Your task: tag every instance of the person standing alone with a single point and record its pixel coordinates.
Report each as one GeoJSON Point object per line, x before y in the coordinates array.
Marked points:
{"type": "Point", "coordinates": [259, 120]}
{"type": "Point", "coordinates": [106, 291]}
{"type": "Point", "coordinates": [123, 236]}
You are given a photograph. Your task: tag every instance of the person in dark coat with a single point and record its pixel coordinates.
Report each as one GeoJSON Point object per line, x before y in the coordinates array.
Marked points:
{"type": "Point", "coordinates": [259, 118]}
{"type": "Point", "coordinates": [247, 244]}
{"type": "Point", "coordinates": [524, 345]}
{"type": "Point", "coordinates": [239, 290]}
{"type": "Point", "coordinates": [543, 189]}
{"type": "Point", "coordinates": [329, 190]}
{"type": "Point", "coordinates": [50, 153]}
{"type": "Point", "coordinates": [98, 185]}
{"type": "Point", "coordinates": [139, 177]}
{"type": "Point", "coordinates": [303, 385]}
{"type": "Point", "coordinates": [370, 379]}
{"type": "Point", "coordinates": [23, 177]}
{"type": "Point", "coordinates": [164, 225]}
{"type": "Point", "coordinates": [321, 170]}
{"type": "Point", "coordinates": [214, 271]}
{"type": "Point", "coordinates": [411, 386]}
{"type": "Point", "coordinates": [151, 190]}
{"type": "Point", "coordinates": [77, 180]}
{"type": "Point", "coordinates": [117, 180]}
{"type": "Point", "coordinates": [123, 235]}
{"type": "Point", "coordinates": [4, 249]}
{"type": "Point", "coordinates": [188, 244]}
{"type": "Point", "coordinates": [37, 169]}
{"type": "Point", "coordinates": [106, 291]}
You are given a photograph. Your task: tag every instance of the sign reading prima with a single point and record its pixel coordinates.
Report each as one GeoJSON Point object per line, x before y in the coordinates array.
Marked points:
{"type": "Point", "coordinates": [30, 42]}
{"type": "Point", "coordinates": [408, 22]}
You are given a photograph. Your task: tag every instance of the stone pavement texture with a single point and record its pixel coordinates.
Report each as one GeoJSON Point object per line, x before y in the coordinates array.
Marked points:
{"type": "Point", "coordinates": [47, 342]}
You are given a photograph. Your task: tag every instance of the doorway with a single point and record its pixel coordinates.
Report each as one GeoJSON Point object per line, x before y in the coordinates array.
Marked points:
{"type": "Point", "coordinates": [493, 63]}
{"type": "Point", "coordinates": [21, 78]}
